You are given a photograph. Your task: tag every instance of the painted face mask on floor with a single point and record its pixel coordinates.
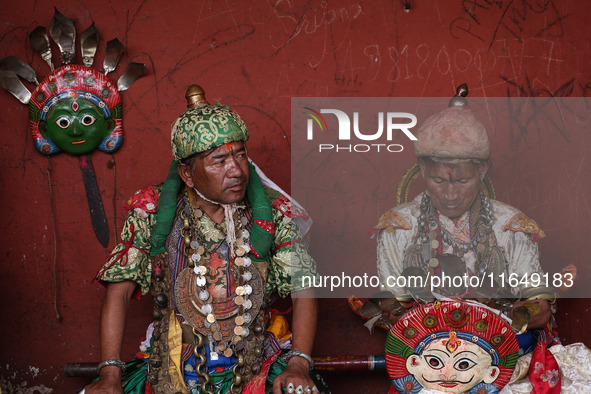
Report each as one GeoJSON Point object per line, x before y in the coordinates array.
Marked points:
{"type": "Point", "coordinates": [453, 347]}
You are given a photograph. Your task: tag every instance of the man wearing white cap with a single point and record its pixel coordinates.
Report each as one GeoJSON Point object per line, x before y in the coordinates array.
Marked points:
{"type": "Point", "coordinates": [454, 228]}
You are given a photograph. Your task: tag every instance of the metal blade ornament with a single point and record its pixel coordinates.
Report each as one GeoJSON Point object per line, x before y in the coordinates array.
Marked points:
{"type": "Point", "coordinates": [40, 43]}
{"type": "Point", "coordinates": [418, 293]}
{"type": "Point", "coordinates": [520, 320]}
{"type": "Point", "coordinates": [89, 40]}
{"type": "Point", "coordinates": [114, 51]}
{"type": "Point", "coordinates": [93, 195]}
{"type": "Point", "coordinates": [63, 32]}
{"type": "Point", "coordinates": [19, 67]}
{"type": "Point", "coordinates": [386, 301]}
{"type": "Point", "coordinates": [133, 72]}
{"type": "Point", "coordinates": [9, 81]}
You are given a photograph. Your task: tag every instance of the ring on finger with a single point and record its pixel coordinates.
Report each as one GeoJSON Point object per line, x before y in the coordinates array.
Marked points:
{"type": "Point", "coordinates": [314, 388]}
{"type": "Point", "coordinates": [290, 388]}
{"type": "Point", "coordinates": [300, 389]}
{"type": "Point", "coordinates": [307, 389]}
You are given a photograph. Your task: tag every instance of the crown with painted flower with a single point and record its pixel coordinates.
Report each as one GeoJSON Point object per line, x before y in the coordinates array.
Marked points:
{"type": "Point", "coordinates": [458, 321]}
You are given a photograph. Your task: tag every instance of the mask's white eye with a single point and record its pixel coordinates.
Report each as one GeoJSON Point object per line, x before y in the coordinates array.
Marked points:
{"type": "Point", "coordinates": [63, 122]}
{"type": "Point", "coordinates": [464, 364]}
{"type": "Point", "coordinates": [87, 120]}
{"type": "Point", "coordinates": [434, 362]}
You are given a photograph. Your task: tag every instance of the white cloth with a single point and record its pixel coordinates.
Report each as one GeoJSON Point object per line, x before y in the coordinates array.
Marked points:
{"type": "Point", "coordinates": [575, 370]}
{"type": "Point", "coordinates": [303, 224]}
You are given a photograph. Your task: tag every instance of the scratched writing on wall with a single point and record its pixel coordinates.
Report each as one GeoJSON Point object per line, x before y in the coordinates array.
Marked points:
{"type": "Point", "coordinates": [487, 20]}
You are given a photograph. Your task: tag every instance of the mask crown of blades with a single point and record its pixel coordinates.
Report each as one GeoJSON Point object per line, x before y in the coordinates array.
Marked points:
{"type": "Point", "coordinates": [63, 33]}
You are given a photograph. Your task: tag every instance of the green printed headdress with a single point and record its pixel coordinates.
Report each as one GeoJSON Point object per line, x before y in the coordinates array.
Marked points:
{"type": "Point", "coordinates": [204, 127]}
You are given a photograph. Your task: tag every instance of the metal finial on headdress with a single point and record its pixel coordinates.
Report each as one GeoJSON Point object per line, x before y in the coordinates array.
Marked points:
{"type": "Point", "coordinates": [459, 100]}
{"type": "Point", "coordinates": [195, 96]}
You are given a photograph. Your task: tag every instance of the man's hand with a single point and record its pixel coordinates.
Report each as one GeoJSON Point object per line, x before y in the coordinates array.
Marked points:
{"type": "Point", "coordinates": [296, 374]}
{"type": "Point", "coordinates": [108, 383]}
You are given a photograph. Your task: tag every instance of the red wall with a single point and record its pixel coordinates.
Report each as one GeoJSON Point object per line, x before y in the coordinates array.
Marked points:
{"type": "Point", "coordinates": [255, 56]}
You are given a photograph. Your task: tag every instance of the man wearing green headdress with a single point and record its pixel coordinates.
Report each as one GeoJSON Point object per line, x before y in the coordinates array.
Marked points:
{"type": "Point", "coordinates": [214, 243]}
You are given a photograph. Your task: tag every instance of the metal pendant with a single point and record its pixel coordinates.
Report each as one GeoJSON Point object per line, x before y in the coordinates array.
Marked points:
{"type": "Point", "coordinates": [225, 310]}
{"type": "Point", "coordinates": [480, 248]}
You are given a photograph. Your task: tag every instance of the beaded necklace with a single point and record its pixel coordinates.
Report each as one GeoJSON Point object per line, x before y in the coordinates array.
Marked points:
{"type": "Point", "coordinates": [480, 221]}
{"type": "Point", "coordinates": [239, 306]}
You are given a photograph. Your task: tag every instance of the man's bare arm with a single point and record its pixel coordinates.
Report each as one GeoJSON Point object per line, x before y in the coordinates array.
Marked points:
{"type": "Point", "coordinates": [305, 313]}
{"type": "Point", "coordinates": [113, 319]}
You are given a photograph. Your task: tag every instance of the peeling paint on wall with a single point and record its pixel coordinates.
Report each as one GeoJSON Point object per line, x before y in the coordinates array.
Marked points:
{"type": "Point", "coordinates": [14, 381]}
{"type": "Point", "coordinates": [12, 387]}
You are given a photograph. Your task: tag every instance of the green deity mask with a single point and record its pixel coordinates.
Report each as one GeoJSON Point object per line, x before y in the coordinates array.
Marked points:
{"type": "Point", "coordinates": [76, 126]}
{"type": "Point", "coordinates": [76, 110]}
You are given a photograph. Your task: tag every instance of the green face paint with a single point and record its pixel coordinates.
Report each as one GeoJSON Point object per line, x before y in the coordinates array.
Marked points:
{"type": "Point", "coordinates": [76, 126]}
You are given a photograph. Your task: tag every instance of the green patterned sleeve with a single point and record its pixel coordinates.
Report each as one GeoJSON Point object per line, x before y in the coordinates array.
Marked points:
{"type": "Point", "coordinates": [130, 260]}
{"type": "Point", "coordinates": [291, 268]}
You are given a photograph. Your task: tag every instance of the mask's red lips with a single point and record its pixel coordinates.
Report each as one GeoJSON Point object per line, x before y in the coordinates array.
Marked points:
{"type": "Point", "coordinates": [79, 142]}
{"type": "Point", "coordinates": [448, 384]}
